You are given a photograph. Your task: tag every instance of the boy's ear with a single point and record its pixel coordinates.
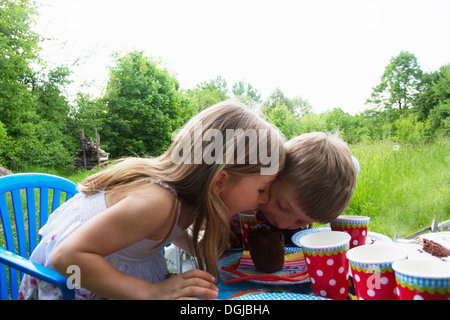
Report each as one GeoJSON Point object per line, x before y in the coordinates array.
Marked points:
{"type": "Point", "coordinates": [219, 181]}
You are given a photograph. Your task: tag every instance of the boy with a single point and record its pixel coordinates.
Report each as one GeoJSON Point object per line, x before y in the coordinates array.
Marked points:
{"type": "Point", "coordinates": [316, 184]}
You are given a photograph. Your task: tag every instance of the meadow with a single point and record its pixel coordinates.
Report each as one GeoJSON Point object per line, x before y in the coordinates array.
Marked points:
{"type": "Point", "coordinates": [401, 187]}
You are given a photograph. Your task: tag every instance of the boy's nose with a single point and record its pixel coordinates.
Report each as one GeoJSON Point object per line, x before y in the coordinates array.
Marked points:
{"type": "Point", "coordinates": [264, 197]}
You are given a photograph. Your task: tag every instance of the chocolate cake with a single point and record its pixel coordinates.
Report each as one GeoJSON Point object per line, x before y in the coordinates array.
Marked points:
{"type": "Point", "coordinates": [435, 248]}
{"type": "Point", "coordinates": [266, 246]}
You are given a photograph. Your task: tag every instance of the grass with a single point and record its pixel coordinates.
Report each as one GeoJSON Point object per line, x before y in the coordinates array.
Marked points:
{"type": "Point", "coordinates": [68, 173]}
{"type": "Point", "coordinates": [401, 190]}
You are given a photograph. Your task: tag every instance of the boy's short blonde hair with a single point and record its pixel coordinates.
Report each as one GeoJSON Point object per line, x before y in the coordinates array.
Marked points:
{"type": "Point", "coordinates": [320, 170]}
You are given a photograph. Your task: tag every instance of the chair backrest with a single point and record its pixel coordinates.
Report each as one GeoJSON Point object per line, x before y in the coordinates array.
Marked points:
{"type": "Point", "coordinates": [39, 194]}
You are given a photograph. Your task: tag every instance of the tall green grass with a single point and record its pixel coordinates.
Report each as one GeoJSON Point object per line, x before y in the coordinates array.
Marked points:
{"type": "Point", "coordinates": [402, 187]}
{"type": "Point", "coordinates": [71, 174]}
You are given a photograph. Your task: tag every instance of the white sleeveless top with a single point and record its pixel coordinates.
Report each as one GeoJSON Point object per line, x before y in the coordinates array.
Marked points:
{"type": "Point", "coordinates": [135, 260]}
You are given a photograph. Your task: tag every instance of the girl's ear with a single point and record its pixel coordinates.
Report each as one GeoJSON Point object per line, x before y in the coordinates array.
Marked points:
{"type": "Point", "coordinates": [219, 181]}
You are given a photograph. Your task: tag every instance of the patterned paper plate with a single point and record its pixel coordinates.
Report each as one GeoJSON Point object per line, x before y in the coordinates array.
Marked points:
{"type": "Point", "coordinates": [294, 262]}
{"type": "Point", "coordinates": [297, 236]}
{"type": "Point", "coordinates": [372, 237]}
{"type": "Point", "coordinates": [278, 296]}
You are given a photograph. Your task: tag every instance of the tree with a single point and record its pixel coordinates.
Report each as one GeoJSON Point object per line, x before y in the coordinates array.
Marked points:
{"type": "Point", "coordinates": [88, 115]}
{"type": "Point", "coordinates": [337, 120]}
{"type": "Point", "coordinates": [33, 110]}
{"type": "Point", "coordinates": [300, 106]}
{"type": "Point", "coordinates": [297, 105]}
{"type": "Point", "coordinates": [208, 93]}
{"type": "Point", "coordinates": [439, 117]}
{"type": "Point", "coordinates": [283, 119]}
{"type": "Point", "coordinates": [441, 85]}
{"type": "Point", "coordinates": [7, 146]}
{"type": "Point", "coordinates": [144, 106]}
{"type": "Point", "coordinates": [400, 83]}
{"type": "Point", "coordinates": [245, 89]}
{"type": "Point", "coordinates": [18, 47]}
{"type": "Point", "coordinates": [312, 122]}
{"type": "Point", "coordinates": [276, 98]}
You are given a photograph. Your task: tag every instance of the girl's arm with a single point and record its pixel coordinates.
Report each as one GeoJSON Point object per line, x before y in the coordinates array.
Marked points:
{"type": "Point", "coordinates": [145, 213]}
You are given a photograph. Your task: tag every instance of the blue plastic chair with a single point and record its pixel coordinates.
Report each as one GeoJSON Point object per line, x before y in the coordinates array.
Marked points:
{"type": "Point", "coordinates": [18, 239]}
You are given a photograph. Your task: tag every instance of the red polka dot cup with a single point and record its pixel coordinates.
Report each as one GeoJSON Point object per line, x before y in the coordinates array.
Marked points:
{"type": "Point", "coordinates": [355, 226]}
{"type": "Point", "coordinates": [325, 255]}
{"type": "Point", "coordinates": [247, 220]}
{"type": "Point", "coordinates": [423, 280]}
{"type": "Point", "coordinates": [373, 275]}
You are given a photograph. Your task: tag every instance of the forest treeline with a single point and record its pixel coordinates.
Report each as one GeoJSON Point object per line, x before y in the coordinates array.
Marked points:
{"type": "Point", "coordinates": [143, 104]}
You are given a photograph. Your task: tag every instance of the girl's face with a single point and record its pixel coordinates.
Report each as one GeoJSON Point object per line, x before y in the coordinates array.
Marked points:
{"type": "Point", "coordinates": [281, 209]}
{"type": "Point", "coordinates": [244, 193]}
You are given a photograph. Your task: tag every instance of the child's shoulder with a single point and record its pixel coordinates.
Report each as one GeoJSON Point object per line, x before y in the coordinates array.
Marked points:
{"type": "Point", "coordinates": [153, 193]}
{"type": "Point", "coordinates": [147, 195]}
{"type": "Point", "coordinates": [149, 205]}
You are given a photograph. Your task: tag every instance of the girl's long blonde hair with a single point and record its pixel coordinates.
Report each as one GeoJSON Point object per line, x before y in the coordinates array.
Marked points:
{"type": "Point", "coordinates": [192, 181]}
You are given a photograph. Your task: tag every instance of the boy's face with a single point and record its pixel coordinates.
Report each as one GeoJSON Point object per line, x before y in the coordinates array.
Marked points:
{"type": "Point", "coordinates": [281, 209]}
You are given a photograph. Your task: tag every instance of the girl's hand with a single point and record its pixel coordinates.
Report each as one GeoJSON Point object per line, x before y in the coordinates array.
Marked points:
{"type": "Point", "coordinates": [188, 285]}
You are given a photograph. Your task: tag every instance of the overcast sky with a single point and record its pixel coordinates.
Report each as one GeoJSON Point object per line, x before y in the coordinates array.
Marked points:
{"type": "Point", "coordinates": [330, 52]}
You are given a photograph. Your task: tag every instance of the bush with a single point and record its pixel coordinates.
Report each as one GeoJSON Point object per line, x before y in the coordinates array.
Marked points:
{"type": "Point", "coordinates": [407, 129]}
{"type": "Point", "coordinates": [7, 146]}
{"type": "Point", "coordinates": [439, 119]}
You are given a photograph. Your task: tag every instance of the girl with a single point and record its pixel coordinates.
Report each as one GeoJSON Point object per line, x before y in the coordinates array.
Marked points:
{"type": "Point", "coordinates": [114, 229]}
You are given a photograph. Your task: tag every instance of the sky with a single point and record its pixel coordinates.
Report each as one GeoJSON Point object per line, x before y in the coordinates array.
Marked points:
{"type": "Point", "coordinates": [329, 52]}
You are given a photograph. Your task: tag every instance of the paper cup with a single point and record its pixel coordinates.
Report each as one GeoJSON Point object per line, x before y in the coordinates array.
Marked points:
{"type": "Point", "coordinates": [355, 226]}
{"type": "Point", "coordinates": [373, 276]}
{"type": "Point", "coordinates": [423, 280]}
{"type": "Point", "coordinates": [247, 220]}
{"type": "Point", "coordinates": [325, 255]}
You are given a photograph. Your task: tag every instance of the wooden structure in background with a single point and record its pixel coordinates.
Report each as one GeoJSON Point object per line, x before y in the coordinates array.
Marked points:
{"type": "Point", "coordinates": [4, 171]}
{"type": "Point", "coordinates": [90, 154]}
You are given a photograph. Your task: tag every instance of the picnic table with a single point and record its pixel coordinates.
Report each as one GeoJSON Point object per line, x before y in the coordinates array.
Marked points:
{"type": "Point", "coordinates": [259, 285]}
{"type": "Point", "coordinates": [255, 289]}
